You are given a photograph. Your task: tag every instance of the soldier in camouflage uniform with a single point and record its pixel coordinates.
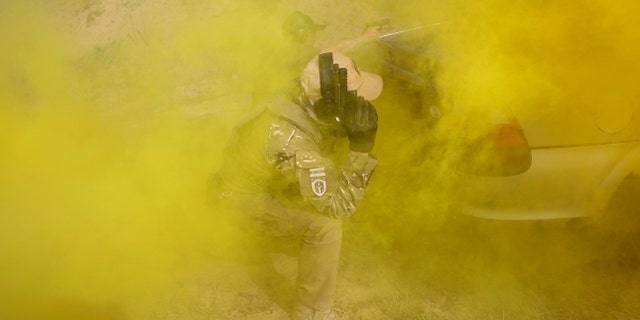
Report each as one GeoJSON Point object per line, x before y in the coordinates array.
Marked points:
{"type": "Point", "coordinates": [283, 170]}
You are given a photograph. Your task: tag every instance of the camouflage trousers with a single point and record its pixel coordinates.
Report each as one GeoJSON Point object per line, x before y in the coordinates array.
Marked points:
{"type": "Point", "coordinates": [316, 238]}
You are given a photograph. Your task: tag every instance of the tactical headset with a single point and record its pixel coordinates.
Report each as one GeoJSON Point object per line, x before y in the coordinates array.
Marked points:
{"type": "Point", "coordinates": [336, 99]}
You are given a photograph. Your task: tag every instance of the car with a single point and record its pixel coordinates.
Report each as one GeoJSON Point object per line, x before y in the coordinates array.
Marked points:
{"type": "Point", "coordinates": [543, 161]}
{"type": "Point", "coordinates": [564, 163]}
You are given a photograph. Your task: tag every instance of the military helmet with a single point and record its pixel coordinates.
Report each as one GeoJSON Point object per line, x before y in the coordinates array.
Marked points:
{"type": "Point", "coordinates": [300, 27]}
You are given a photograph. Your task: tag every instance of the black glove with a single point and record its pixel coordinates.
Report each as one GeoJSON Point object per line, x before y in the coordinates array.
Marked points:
{"type": "Point", "coordinates": [361, 124]}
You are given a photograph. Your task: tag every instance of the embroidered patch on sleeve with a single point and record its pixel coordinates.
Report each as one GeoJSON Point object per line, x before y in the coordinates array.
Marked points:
{"type": "Point", "coordinates": [318, 179]}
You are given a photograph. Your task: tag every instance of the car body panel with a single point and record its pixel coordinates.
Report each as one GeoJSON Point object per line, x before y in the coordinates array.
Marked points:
{"type": "Point", "coordinates": [561, 183]}
{"type": "Point", "coordinates": [565, 126]}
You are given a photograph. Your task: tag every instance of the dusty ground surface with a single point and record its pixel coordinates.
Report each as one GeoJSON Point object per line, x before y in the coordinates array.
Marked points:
{"type": "Point", "coordinates": [464, 269]}
{"type": "Point", "coordinates": [406, 254]}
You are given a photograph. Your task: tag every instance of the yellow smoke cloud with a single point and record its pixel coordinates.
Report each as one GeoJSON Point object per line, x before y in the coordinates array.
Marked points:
{"type": "Point", "coordinates": [541, 54]}
{"type": "Point", "coordinates": [113, 113]}
{"type": "Point", "coordinates": [103, 178]}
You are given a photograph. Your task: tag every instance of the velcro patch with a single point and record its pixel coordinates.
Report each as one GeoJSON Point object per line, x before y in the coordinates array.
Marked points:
{"type": "Point", "coordinates": [318, 181]}
{"type": "Point", "coordinates": [316, 177]}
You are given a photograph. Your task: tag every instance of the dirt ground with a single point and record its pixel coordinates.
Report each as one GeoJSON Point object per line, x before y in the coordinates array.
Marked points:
{"type": "Point", "coordinates": [464, 269]}
{"type": "Point", "coordinates": [403, 257]}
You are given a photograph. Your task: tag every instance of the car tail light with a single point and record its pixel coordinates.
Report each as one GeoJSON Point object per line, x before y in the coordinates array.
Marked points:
{"type": "Point", "coordinates": [502, 151]}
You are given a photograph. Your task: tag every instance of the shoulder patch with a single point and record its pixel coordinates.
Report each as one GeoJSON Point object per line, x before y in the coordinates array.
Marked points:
{"type": "Point", "coordinates": [316, 177]}
{"type": "Point", "coordinates": [318, 181]}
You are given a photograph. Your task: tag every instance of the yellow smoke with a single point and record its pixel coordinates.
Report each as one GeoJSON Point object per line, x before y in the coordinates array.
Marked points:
{"type": "Point", "coordinates": [113, 113]}
{"type": "Point", "coordinates": [103, 177]}
{"type": "Point", "coordinates": [538, 54]}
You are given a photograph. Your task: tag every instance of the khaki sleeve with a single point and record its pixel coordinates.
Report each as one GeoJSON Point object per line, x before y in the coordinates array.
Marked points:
{"type": "Point", "coordinates": [334, 192]}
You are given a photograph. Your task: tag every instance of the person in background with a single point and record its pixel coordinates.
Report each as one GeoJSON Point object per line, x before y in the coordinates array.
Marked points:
{"type": "Point", "coordinates": [299, 165]}
{"type": "Point", "coordinates": [301, 31]}
{"type": "Point", "coordinates": [300, 28]}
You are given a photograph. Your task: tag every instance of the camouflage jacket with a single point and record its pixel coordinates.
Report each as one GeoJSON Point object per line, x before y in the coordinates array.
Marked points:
{"type": "Point", "coordinates": [281, 152]}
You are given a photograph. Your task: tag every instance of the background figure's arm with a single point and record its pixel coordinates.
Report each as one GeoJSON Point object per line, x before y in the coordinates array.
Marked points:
{"type": "Point", "coordinates": [369, 34]}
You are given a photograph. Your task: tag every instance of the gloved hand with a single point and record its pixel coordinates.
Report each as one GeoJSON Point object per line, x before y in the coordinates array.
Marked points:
{"type": "Point", "coordinates": [361, 124]}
